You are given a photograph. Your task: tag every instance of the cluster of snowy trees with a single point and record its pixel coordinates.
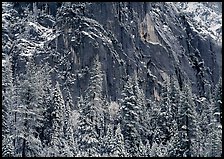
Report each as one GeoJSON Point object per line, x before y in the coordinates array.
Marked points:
{"type": "Point", "coordinates": [37, 118]}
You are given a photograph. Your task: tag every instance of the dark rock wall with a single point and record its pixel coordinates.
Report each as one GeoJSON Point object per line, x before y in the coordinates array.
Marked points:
{"type": "Point", "coordinates": [147, 37]}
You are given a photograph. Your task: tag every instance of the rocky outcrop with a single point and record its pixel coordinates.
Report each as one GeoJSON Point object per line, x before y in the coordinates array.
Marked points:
{"type": "Point", "coordinates": [153, 39]}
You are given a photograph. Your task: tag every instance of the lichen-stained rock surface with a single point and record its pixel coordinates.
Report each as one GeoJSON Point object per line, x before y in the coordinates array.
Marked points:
{"type": "Point", "coordinates": [155, 39]}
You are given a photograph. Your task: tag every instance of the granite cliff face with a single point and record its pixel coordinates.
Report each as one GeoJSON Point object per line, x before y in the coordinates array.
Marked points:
{"type": "Point", "coordinates": [153, 39]}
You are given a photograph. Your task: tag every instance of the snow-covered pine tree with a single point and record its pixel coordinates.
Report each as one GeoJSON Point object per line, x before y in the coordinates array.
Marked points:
{"type": "Point", "coordinates": [214, 139]}
{"type": "Point", "coordinates": [158, 150]}
{"type": "Point", "coordinates": [211, 138]}
{"type": "Point", "coordinates": [164, 119]}
{"type": "Point", "coordinates": [186, 121]}
{"type": "Point", "coordinates": [106, 135]}
{"type": "Point", "coordinates": [106, 132]}
{"type": "Point", "coordinates": [106, 142]}
{"type": "Point", "coordinates": [46, 102]}
{"type": "Point", "coordinates": [80, 105]}
{"type": "Point", "coordinates": [130, 118]}
{"type": "Point", "coordinates": [90, 126]}
{"type": "Point", "coordinates": [87, 138]}
{"type": "Point", "coordinates": [118, 148]}
{"type": "Point", "coordinates": [106, 116]}
{"type": "Point", "coordinates": [16, 113]}
{"type": "Point", "coordinates": [218, 100]}
{"type": "Point", "coordinates": [95, 87]}
{"type": "Point", "coordinates": [30, 113]}
{"type": "Point", "coordinates": [7, 108]}
{"type": "Point", "coordinates": [173, 145]}
{"type": "Point", "coordinates": [153, 112]}
{"type": "Point", "coordinates": [140, 99]}
{"type": "Point", "coordinates": [174, 99]}
{"type": "Point", "coordinates": [68, 127]}
{"type": "Point", "coordinates": [57, 114]}
{"type": "Point", "coordinates": [213, 144]}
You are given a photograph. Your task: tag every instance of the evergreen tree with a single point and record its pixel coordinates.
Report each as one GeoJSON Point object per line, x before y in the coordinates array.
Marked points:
{"type": "Point", "coordinates": [141, 102]}
{"type": "Point", "coordinates": [173, 107]}
{"type": "Point", "coordinates": [130, 119]}
{"type": "Point", "coordinates": [153, 112]}
{"type": "Point", "coordinates": [218, 101]}
{"type": "Point", "coordinates": [174, 97]}
{"type": "Point", "coordinates": [7, 108]}
{"type": "Point", "coordinates": [165, 117]}
{"type": "Point", "coordinates": [46, 83]}
{"type": "Point", "coordinates": [68, 127]}
{"type": "Point", "coordinates": [214, 139]}
{"type": "Point", "coordinates": [210, 132]}
{"type": "Point", "coordinates": [173, 145]}
{"type": "Point", "coordinates": [90, 125]}
{"type": "Point", "coordinates": [88, 140]}
{"type": "Point", "coordinates": [106, 142]}
{"type": "Point", "coordinates": [186, 121]}
{"type": "Point", "coordinates": [158, 150]}
{"type": "Point", "coordinates": [118, 149]}
{"type": "Point", "coordinates": [57, 122]}
{"type": "Point", "coordinates": [30, 113]}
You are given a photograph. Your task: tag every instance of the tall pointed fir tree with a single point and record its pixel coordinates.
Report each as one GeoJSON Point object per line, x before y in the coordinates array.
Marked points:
{"type": "Point", "coordinates": [218, 100]}
{"type": "Point", "coordinates": [16, 116]}
{"type": "Point", "coordinates": [90, 123]}
{"type": "Point", "coordinates": [186, 121]}
{"type": "Point", "coordinates": [130, 118]}
{"type": "Point", "coordinates": [174, 94]}
{"type": "Point", "coordinates": [46, 83]}
{"type": "Point", "coordinates": [165, 118]}
{"type": "Point", "coordinates": [7, 108]}
{"type": "Point", "coordinates": [57, 136]}
{"type": "Point", "coordinates": [215, 126]}
{"type": "Point", "coordinates": [141, 102]}
{"type": "Point", "coordinates": [106, 142]}
{"type": "Point", "coordinates": [209, 129]}
{"type": "Point", "coordinates": [153, 112]}
{"type": "Point", "coordinates": [213, 141]}
{"type": "Point", "coordinates": [30, 113]}
{"type": "Point", "coordinates": [68, 127]}
{"type": "Point", "coordinates": [118, 149]}
{"type": "Point", "coordinates": [174, 100]}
